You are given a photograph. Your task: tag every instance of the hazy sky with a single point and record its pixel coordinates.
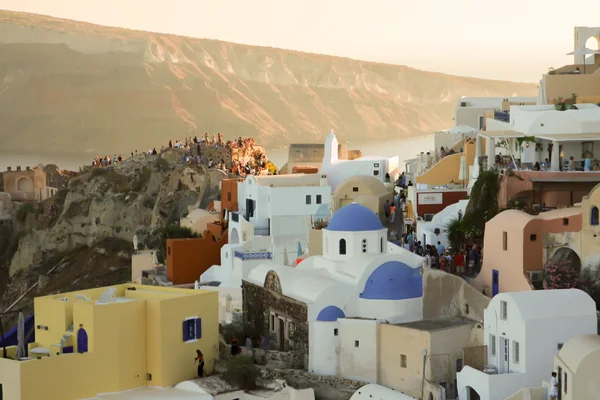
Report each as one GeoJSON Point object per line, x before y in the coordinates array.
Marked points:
{"type": "Point", "coordinates": [510, 39]}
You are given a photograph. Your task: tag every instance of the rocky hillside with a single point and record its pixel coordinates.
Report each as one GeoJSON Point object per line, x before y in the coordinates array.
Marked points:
{"type": "Point", "coordinates": [82, 237]}
{"type": "Point", "coordinates": [71, 87]}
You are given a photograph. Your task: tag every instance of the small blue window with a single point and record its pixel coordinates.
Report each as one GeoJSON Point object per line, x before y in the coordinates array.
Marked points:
{"type": "Point", "coordinates": [594, 217]}
{"type": "Point", "coordinates": [192, 329]}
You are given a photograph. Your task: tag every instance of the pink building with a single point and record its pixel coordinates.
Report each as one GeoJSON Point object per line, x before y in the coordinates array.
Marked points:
{"type": "Point", "coordinates": [516, 246]}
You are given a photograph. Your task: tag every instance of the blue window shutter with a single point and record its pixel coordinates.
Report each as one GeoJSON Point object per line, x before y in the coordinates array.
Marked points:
{"type": "Point", "coordinates": [185, 332]}
{"type": "Point", "coordinates": [198, 328]}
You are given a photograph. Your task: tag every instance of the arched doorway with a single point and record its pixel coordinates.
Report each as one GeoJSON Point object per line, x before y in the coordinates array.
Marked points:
{"type": "Point", "coordinates": [472, 394]}
{"type": "Point", "coordinates": [430, 396]}
{"type": "Point", "coordinates": [567, 256]}
{"type": "Point", "coordinates": [234, 237]}
{"type": "Point", "coordinates": [82, 340]}
{"type": "Point", "coordinates": [24, 185]}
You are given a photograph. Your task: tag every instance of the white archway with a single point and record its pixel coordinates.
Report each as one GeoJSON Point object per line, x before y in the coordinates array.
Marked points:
{"type": "Point", "coordinates": [582, 39]}
{"type": "Point", "coordinates": [234, 236]}
{"type": "Point", "coordinates": [593, 43]}
{"type": "Point", "coordinates": [24, 184]}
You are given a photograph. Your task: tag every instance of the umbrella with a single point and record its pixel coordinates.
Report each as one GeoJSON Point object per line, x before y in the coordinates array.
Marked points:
{"type": "Point", "coordinates": [584, 51]}
{"type": "Point", "coordinates": [285, 257]}
{"type": "Point", "coordinates": [21, 336]}
{"type": "Point", "coordinates": [462, 130]}
{"type": "Point", "coordinates": [462, 174]}
{"type": "Point", "coordinates": [542, 94]}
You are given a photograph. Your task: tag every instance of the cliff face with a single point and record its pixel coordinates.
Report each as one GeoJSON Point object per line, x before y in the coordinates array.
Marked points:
{"type": "Point", "coordinates": [86, 231]}
{"type": "Point", "coordinates": [71, 87]}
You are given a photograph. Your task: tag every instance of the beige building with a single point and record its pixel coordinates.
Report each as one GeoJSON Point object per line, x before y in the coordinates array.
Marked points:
{"type": "Point", "coordinates": [576, 366]}
{"type": "Point", "coordinates": [590, 229]}
{"type": "Point", "coordinates": [26, 185]}
{"type": "Point", "coordinates": [365, 190]}
{"type": "Point", "coordinates": [308, 157]}
{"type": "Point", "coordinates": [433, 345]}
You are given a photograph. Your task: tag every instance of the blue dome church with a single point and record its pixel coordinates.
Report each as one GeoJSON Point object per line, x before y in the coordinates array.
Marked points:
{"type": "Point", "coordinates": [354, 285]}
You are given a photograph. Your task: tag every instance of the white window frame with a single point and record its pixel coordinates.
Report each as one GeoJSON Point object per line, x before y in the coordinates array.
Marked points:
{"type": "Point", "coordinates": [503, 310]}
{"type": "Point", "coordinates": [516, 355]}
{"type": "Point", "coordinates": [192, 340]}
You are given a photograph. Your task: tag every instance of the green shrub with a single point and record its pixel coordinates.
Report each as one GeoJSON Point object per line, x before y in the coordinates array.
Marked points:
{"type": "Point", "coordinates": [173, 231]}
{"type": "Point", "coordinates": [241, 372]}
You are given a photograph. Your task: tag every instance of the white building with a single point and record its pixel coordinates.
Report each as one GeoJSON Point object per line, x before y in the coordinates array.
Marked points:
{"type": "Point", "coordinates": [470, 111]}
{"type": "Point", "coordinates": [348, 290]}
{"type": "Point", "coordinates": [272, 223]}
{"type": "Point", "coordinates": [557, 135]}
{"type": "Point", "coordinates": [523, 331]}
{"type": "Point", "coordinates": [281, 204]}
{"type": "Point", "coordinates": [339, 170]}
{"type": "Point", "coordinates": [426, 230]}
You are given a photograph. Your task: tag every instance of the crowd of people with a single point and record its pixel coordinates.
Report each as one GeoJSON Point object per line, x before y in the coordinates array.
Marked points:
{"type": "Point", "coordinates": [464, 261]}
{"type": "Point", "coordinates": [194, 154]}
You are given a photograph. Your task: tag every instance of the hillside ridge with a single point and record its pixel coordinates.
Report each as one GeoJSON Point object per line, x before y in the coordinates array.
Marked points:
{"type": "Point", "coordinates": [88, 88]}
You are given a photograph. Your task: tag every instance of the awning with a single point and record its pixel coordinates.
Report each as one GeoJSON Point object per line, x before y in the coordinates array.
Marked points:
{"type": "Point", "coordinates": [566, 137]}
{"type": "Point", "coordinates": [501, 134]}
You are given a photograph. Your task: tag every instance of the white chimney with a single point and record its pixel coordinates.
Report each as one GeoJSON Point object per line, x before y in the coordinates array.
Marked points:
{"type": "Point", "coordinates": [323, 181]}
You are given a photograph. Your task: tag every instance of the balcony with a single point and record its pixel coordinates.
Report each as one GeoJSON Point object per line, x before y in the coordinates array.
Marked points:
{"type": "Point", "coordinates": [489, 385]}
{"type": "Point", "coordinates": [254, 255]}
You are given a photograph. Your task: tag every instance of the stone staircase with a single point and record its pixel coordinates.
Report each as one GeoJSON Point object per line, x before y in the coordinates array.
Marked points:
{"type": "Point", "coordinates": [65, 341]}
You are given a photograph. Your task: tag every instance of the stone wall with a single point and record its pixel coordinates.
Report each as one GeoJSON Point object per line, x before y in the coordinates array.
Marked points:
{"type": "Point", "coordinates": [258, 305]}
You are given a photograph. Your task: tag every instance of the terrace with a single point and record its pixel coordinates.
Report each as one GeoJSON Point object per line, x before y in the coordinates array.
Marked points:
{"type": "Point", "coordinates": [584, 80]}
{"type": "Point", "coordinates": [485, 381]}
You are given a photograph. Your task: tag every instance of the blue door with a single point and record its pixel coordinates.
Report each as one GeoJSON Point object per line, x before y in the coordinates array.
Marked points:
{"type": "Point", "coordinates": [82, 341]}
{"type": "Point", "coordinates": [495, 282]}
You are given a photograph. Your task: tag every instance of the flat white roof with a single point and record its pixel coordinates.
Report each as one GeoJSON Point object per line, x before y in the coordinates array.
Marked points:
{"type": "Point", "coordinates": [566, 137]}
{"type": "Point", "coordinates": [501, 134]}
{"type": "Point", "coordinates": [288, 180]}
{"type": "Point", "coordinates": [495, 102]}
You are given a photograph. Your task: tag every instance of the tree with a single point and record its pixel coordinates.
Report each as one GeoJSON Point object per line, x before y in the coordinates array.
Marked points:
{"type": "Point", "coordinates": [456, 235]}
{"type": "Point", "coordinates": [560, 275]}
{"type": "Point", "coordinates": [173, 231]}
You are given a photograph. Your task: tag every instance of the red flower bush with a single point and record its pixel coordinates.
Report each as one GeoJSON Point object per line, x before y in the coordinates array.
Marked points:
{"type": "Point", "coordinates": [561, 275]}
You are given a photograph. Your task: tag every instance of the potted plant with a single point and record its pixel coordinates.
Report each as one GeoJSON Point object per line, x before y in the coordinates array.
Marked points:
{"type": "Point", "coordinates": [574, 98]}
{"type": "Point", "coordinates": [568, 103]}
{"type": "Point", "coordinates": [559, 104]}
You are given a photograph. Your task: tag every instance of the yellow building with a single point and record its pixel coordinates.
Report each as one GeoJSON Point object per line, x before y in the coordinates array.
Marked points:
{"type": "Point", "coordinates": [135, 336]}
{"type": "Point", "coordinates": [421, 358]}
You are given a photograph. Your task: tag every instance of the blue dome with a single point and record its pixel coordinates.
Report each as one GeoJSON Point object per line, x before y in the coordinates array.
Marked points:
{"type": "Point", "coordinates": [330, 313]}
{"type": "Point", "coordinates": [393, 280]}
{"type": "Point", "coordinates": [354, 218]}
